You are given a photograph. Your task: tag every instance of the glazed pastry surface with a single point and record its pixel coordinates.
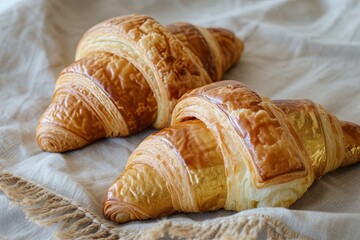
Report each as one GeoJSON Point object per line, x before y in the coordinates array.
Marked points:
{"type": "Point", "coordinates": [229, 147]}
{"type": "Point", "coordinates": [129, 73]}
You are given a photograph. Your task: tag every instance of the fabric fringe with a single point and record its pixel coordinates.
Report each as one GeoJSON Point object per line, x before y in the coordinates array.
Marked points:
{"type": "Point", "coordinates": [44, 207]}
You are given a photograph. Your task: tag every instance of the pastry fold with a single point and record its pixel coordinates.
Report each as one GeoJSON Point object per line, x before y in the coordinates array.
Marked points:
{"type": "Point", "coordinates": [229, 147]}
{"type": "Point", "coordinates": [129, 73]}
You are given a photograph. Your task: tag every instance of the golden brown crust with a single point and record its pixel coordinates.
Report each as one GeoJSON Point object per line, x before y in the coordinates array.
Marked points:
{"type": "Point", "coordinates": [194, 40]}
{"type": "Point", "coordinates": [130, 204]}
{"type": "Point", "coordinates": [305, 118]}
{"type": "Point", "coordinates": [231, 148]}
{"type": "Point", "coordinates": [121, 81]}
{"type": "Point", "coordinates": [198, 165]}
{"type": "Point", "coordinates": [256, 122]}
{"type": "Point", "coordinates": [352, 142]}
{"type": "Point", "coordinates": [170, 68]}
{"type": "Point", "coordinates": [53, 132]}
{"type": "Point", "coordinates": [231, 47]}
{"type": "Point", "coordinates": [321, 132]}
{"type": "Point", "coordinates": [77, 109]}
{"type": "Point", "coordinates": [199, 152]}
{"type": "Point", "coordinates": [130, 72]}
{"type": "Point", "coordinates": [218, 49]}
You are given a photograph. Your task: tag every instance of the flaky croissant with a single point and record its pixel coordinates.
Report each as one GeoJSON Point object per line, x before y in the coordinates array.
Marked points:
{"type": "Point", "coordinates": [130, 72]}
{"type": "Point", "coordinates": [228, 147]}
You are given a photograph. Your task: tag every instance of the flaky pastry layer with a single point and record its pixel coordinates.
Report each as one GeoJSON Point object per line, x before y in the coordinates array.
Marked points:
{"type": "Point", "coordinates": [229, 147]}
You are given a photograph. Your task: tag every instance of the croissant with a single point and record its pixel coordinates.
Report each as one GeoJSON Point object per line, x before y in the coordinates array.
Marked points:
{"type": "Point", "coordinates": [228, 147]}
{"type": "Point", "coordinates": [130, 72]}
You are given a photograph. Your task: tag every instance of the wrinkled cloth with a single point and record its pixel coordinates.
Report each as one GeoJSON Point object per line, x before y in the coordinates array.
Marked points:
{"type": "Point", "coordinates": [293, 50]}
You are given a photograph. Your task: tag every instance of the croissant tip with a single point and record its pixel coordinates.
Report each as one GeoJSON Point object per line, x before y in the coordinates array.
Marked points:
{"type": "Point", "coordinates": [52, 138]}
{"type": "Point", "coordinates": [115, 210]}
{"type": "Point", "coordinates": [48, 144]}
{"type": "Point", "coordinates": [114, 214]}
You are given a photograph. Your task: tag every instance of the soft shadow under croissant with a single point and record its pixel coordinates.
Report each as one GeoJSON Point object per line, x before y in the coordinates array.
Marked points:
{"type": "Point", "coordinates": [130, 72]}
{"type": "Point", "coordinates": [228, 147]}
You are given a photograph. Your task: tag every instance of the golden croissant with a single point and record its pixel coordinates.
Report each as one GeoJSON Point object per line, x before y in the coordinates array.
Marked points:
{"type": "Point", "coordinates": [229, 147]}
{"type": "Point", "coordinates": [130, 72]}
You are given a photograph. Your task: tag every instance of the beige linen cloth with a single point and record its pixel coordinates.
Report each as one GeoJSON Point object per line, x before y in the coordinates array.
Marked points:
{"type": "Point", "coordinates": [294, 49]}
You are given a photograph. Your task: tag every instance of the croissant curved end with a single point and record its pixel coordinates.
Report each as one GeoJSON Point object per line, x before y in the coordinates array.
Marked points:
{"type": "Point", "coordinates": [122, 209]}
{"type": "Point", "coordinates": [132, 198]}
{"type": "Point", "coordinates": [352, 142]}
{"type": "Point", "coordinates": [53, 138]}
{"type": "Point", "coordinates": [119, 211]}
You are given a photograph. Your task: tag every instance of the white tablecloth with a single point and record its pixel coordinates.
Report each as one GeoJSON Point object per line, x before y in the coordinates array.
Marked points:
{"type": "Point", "coordinates": [293, 49]}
